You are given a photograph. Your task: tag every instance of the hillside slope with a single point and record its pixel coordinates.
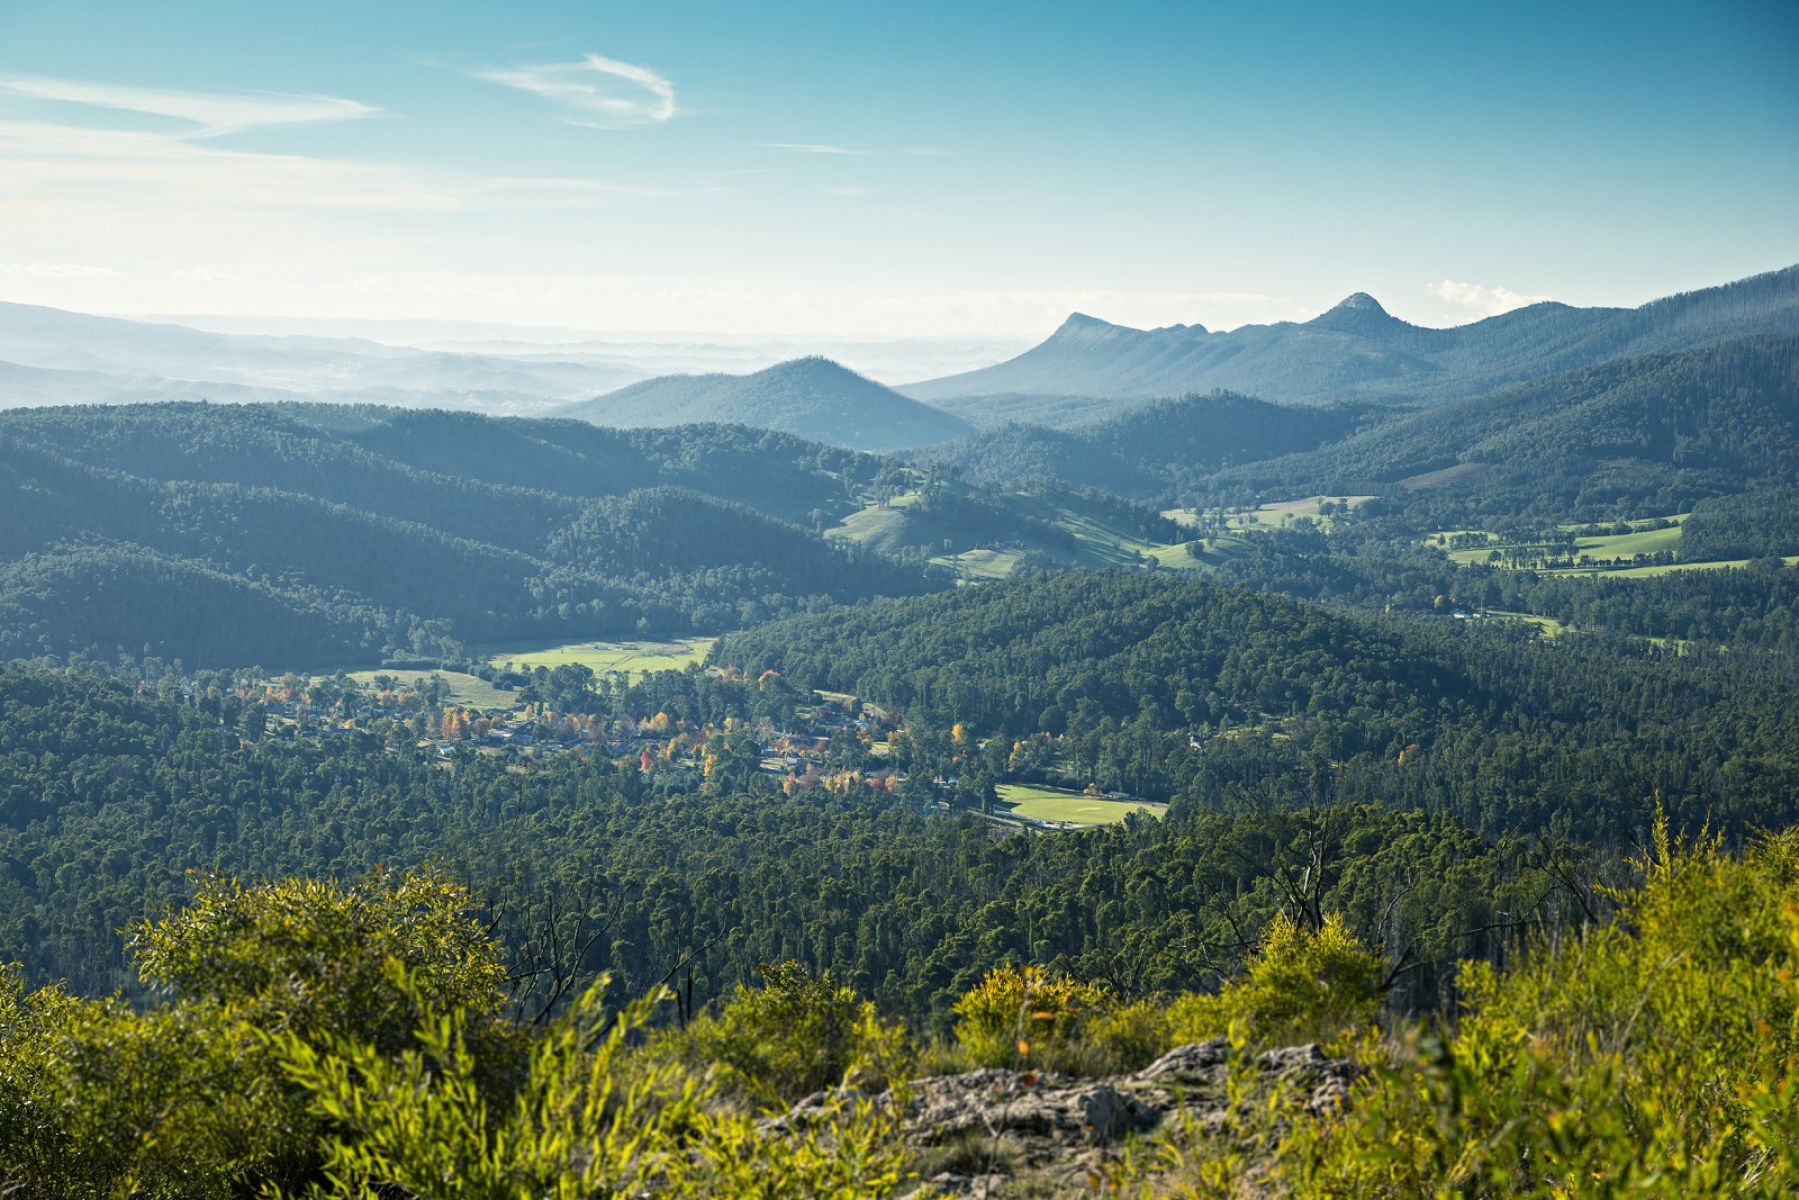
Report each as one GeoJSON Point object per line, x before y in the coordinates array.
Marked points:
{"type": "Point", "coordinates": [318, 534]}
{"type": "Point", "coordinates": [1653, 431]}
{"type": "Point", "coordinates": [811, 397]}
{"type": "Point", "coordinates": [1151, 449]}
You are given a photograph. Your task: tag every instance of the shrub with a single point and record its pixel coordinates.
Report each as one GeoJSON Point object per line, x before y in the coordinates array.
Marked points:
{"type": "Point", "coordinates": [1654, 1055]}
{"type": "Point", "coordinates": [1020, 1016]}
{"type": "Point", "coordinates": [312, 955]}
{"type": "Point", "coordinates": [185, 1099]}
{"type": "Point", "coordinates": [586, 1121]}
{"type": "Point", "coordinates": [795, 1035]}
{"type": "Point", "coordinates": [1131, 1036]}
{"type": "Point", "coordinates": [1302, 985]}
{"type": "Point", "coordinates": [97, 1099]}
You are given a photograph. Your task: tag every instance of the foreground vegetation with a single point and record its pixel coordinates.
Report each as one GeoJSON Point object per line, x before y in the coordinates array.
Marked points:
{"type": "Point", "coordinates": [354, 1039]}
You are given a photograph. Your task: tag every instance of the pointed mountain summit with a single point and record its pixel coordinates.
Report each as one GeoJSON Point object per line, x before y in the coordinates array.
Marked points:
{"type": "Point", "coordinates": [1080, 322]}
{"type": "Point", "coordinates": [1357, 313]}
{"type": "Point", "coordinates": [812, 397]}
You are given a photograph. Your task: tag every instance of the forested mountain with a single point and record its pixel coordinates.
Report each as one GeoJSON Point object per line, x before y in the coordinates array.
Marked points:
{"type": "Point", "coordinates": [1647, 434]}
{"type": "Point", "coordinates": [1024, 408]}
{"type": "Point", "coordinates": [814, 398]}
{"type": "Point", "coordinates": [48, 355]}
{"type": "Point", "coordinates": [1172, 687]}
{"type": "Point", "coordinates": [1154, 448]}
{"type": "Point", "coordinates": [304, 535]}
{"type": "Point", "coordinates": [1358, 351]}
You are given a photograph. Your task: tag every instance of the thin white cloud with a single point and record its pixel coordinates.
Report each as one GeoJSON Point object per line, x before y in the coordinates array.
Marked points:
{"type": "Point", "coordinates": [61, 168]}
{"type": "Point", "coordinates": [817, 148]}
{"type": "Point", "coordinates": [591, 89]}
{"type": "Point", "coordinates": [202, 275]}
{"type": "Point", "coordinates": [1488, 301]}
{"type": "Point", "coordinates": [211, 113]}
{"type": "Point", "coordinates": [60, 270]}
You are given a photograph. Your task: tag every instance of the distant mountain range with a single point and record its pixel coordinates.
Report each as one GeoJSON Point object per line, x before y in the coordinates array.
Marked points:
{"type": "Point", "coordinates": [1645, 433]}
{"type": "Point", "coordinates": [49, 356]}
{"type": "Point", "coordinates": [1357, 351]}
{"type": "Point", "coordinates": [809, 397]}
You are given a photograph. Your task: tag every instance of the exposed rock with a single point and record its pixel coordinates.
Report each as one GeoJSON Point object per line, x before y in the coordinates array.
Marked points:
{"type": "Point", "coordinates": [1329, 1078]}
{"type": "Point", "coordinates": [1055, 1125]}
{"type": "Point", "coordinates": [1195, 1063]}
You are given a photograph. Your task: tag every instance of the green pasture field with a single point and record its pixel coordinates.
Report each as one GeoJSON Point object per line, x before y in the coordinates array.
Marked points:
{"type": "Point", "coordinates": [1273, 515]}
{"type": "Point", "coordinates": [980, 564]}
{"type": "Point", "coordinates": [1666, 568]}
{"type": "Point", "coordinates": [635, 658]}
{"type": "Point", "coordinates": [1057, 804]}
{"type": "Point", "coordinates": [469, 690]}
{"type": "Point", "coordinates": [1600, 550]}
{"type": "Point", "coordinates": [1549, 627]}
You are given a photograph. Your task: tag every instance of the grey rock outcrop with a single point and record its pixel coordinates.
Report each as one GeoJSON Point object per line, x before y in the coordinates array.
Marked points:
{"type": "Point", "coordinates": [1052, 1126]}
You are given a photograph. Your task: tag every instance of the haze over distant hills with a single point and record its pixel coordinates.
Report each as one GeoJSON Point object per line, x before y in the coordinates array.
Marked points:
{"type": "Point", "coordinates": [56, 357]}
{"type": "Point", "coordinates": [1357, 350]}
{"type": "Point", "coordinates": [51, 356]}
{"type": "Point", "coordinates": [810, 397]}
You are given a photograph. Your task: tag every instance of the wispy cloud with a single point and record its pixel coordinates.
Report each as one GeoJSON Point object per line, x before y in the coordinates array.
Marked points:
{"type": "Point", "coordinates": [202, 275]}
{"type": "Point", "coordinates": [60, 270]}
{"type": "Point", "coordinates": [817, 148]}
{"type": "Point", "coordinates": [600, 92]}
{"type": "Point", "coordinates": [57, 169]}
{"type": "Point", "coordinates": [1488, 301]}
{"type": "Point", "coordinates": [210, 113]}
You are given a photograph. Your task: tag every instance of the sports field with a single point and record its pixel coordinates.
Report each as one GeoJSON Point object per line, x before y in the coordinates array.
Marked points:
{"type": "Point", "coordinates": [1055, 804]}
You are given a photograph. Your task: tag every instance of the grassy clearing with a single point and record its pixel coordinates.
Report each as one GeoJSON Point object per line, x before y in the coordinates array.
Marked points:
{"type": "Point", "coordinates": [1549, 627]}
{"type": "Point", "coordinates": [1095, 537]}
{"type": "Point", "coordinates": [981, 564]}
{"type": "Point", "coordinates": [878, 526]}
{"type": "Point", "coordinates": [633, 658]}
{"type": "Point", "coordinates": [1201, 553]}
{"type": "Point", "coordinates": [1667, 568]}
{"type": "Point", "coordinates": [1599, 550]}
{"type": "Point", "coordinates": [1057, 804]}
{"type": "Point", "coordinates": [464, 689]}
{"type": "Point", "coordinates": [1625, 546]}
{"type": "Point", "coordinates": [1273, 515]}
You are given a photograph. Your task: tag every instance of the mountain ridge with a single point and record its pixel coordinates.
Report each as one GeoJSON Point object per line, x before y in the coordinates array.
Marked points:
{"type": "Point", "coordinates": [1356, 350]}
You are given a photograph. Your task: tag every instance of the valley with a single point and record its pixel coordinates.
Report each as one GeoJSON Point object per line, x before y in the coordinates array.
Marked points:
{"type": "Point", "coordinates": [800, 680]}
{"type": "Point", "coordinates": [899, 602]}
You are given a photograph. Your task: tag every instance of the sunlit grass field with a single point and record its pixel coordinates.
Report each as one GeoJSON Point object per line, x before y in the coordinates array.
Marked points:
{"type": "Point", "coordinates": [1056, 804]}
{"type": "Point", "coordinates": [632, 657]}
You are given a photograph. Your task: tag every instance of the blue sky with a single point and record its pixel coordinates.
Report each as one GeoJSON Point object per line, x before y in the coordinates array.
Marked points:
{"type": "Point", "coordinates": [898, 169]}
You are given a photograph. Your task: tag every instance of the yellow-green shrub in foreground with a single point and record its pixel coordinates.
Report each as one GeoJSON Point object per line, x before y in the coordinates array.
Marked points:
{"type": "Point", "coordinates": [345, 1040]}
{"type": "Point", "coordinates": [585, 1123]}
{"type": "Point", "coordinates": [186, 1099]}
{"type": "Point", "coordinates": [1028, 1016]}
{"type": "Point", "coordinates": [793, 1036]}
{"type": "Point", "coordinates": [1303, 985]}
{"type": "Point", "coordinates": [1653, 1056]}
